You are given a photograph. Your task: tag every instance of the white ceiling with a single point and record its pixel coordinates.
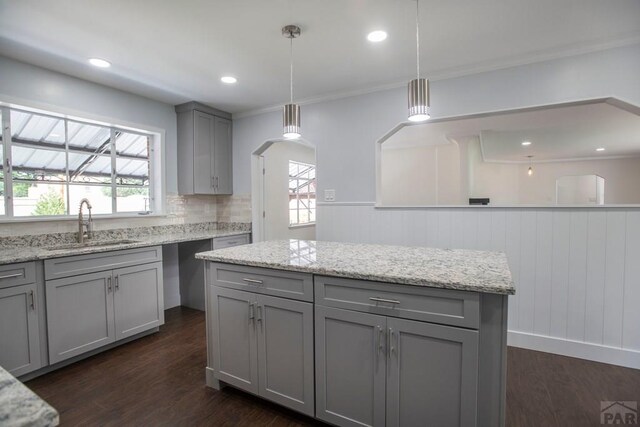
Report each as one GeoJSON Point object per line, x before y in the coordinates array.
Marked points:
{"type": "Point", "coordinates": [176, 51]}
{"type": "Point", "coordinates": [558, 133]}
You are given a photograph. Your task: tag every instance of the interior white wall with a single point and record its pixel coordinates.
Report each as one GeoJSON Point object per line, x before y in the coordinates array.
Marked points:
{"type": "Point", "coordinates": [345, 132]}
{"type": "Point", "coordinates": [276, 190]}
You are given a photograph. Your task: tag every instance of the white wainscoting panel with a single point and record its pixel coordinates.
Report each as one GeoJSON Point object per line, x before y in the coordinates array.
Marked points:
{"type": "Point", "coordinates": [576, 270]}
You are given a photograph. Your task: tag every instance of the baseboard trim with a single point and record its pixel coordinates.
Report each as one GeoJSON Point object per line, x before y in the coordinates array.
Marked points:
{"type": "Point", "coordinates": [594, 352]}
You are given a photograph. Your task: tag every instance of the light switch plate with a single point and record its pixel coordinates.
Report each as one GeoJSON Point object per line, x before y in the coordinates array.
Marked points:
{"type": "Point", "coordinates": [329, 195]}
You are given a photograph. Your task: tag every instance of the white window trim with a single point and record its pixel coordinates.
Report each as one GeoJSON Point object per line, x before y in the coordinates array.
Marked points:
{"type": "Point", "coordinates": [157, 180]}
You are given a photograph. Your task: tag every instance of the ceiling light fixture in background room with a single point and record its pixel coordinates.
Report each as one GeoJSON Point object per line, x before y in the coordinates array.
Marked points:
{"type": "Point", "coordinates": [530, 171]}
{"type": "Point", "coordinates": [228, 80]}
{"type": "Point", "coordinates": [418, 89]}
{"type": "Point", "coordinates": [291, 111]}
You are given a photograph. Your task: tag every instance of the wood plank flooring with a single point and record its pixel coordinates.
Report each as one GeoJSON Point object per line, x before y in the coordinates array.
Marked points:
{"type": "Point", "coordinates": [159, 381]}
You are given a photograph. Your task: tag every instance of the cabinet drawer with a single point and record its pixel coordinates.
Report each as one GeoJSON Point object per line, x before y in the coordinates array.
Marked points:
{"type": "Point", "coordinates": [229, 241]}
{"type": "Point", "coordinates": [447, 307]}
{"type": "Point", "coordinates": [82, 264]}
{"type": "Point", "coordinates": [262, 280]}
{"type": "Point", "coordinates": [17, 274]}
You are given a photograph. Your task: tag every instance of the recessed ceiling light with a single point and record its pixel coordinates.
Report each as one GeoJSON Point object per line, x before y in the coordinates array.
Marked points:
{"type": "Point", "coordinates": [228, 80]}
{"type": "Point", "coordinates": [376, 36]}
{"type": "Point", "coordinates": [600, 149]}
{"type": "Point", "coordinates": [525, 143]}
{"type": "Point", "coordinates": [101, 63]}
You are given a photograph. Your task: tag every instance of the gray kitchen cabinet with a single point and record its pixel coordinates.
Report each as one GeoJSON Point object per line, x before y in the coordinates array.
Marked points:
{"type": "Point", "coordinates": [263, 344]}
{"type": "Point", "coordinates": [19, 329]}
{"type": "Point", "coordinates": [234, 337]}
{"type": "Point", "coordinates": [89, 311]}
{"type": "Point", "coordinates": [79, 314]}
{"type": "Point", "coordinates": [285, 352]}
{"type": "Point", "coordinates": [440, 392]}
{"type": "Point", "coordinates": [138, 299]}
{"type": "Point", "coordinates": [204, 150]}
{"type": "Point", "coordinates": [350, 367]}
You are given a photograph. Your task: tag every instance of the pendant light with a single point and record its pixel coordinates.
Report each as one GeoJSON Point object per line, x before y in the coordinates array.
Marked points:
{"type": "Point", "coordinates": [530, 171]}
{"type": "Point", "coordinates": [291, 111]}
{"type": "Point", "coordinates": [418, 89]}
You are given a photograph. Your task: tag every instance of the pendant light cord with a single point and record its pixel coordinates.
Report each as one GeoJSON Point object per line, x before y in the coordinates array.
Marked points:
{"type": "Point", "coordinates": [418, 38]}
{"type": "Point", "coordinates": [291, 67]}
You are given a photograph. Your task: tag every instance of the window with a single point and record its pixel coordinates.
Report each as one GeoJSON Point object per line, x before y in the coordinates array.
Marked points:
{"type": "Point", "coordinates": [52, 163]}
{"type": "Point", "coordinates": [302, 193]}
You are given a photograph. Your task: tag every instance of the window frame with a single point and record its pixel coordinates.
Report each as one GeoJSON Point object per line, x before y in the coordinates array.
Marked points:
{"type": "Point", "coordinates": [155, 200]}
{"type": "Point", "coordinates": [298, 199]}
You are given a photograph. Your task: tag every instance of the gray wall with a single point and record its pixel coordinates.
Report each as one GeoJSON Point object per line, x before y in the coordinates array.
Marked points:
{"type": "Point", "coordinates": [576, 271]}
{"type": "Point", "coordinates": [38, 87]}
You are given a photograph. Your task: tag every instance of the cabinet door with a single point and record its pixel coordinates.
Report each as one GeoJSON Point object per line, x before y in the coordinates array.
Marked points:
{"type": "Point", "coordinates": [350, 367]}
{"type": "Point", "coordinates": [285, 352]}
{"type": "Point", "coordinates": [222, 164]}
{"type": "Point", "coordinates": [138, 299]}
{"type": "Point", "coordinates": [432, 374]}
{"type": "Point", "coordinates": [235, 352]}
{"type": "Point", "coordinates": [79, 314]}
{"type": "Point", "coordinates": [203, 140]}
{"type": "Point", "coordinates": [19, 330]}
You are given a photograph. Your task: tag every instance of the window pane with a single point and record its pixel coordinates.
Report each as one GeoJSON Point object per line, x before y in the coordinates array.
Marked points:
{"type": "Point", "coordinates": [89, 168]}
{"type": "Point", "coordinates": [90, 139]}
{"type": "Point", "coordinates": [98, 195]}
{"type": "Point", "coordinates": [132, 171]}
{"type": "Point", "coordinates": [39, 199]}
{"type": "Point", "coordinates": [133, 199]}
{"type": "Point", "coordinates": [132, 145]}
{"type": "Point", "coordinates": [34, 130]}
{"type": "Point", "coordinates": [302, 193]}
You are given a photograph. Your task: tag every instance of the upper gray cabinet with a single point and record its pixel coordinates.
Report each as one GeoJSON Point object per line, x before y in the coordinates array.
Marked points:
{"type": "Point", "coordinates": [204, 150]}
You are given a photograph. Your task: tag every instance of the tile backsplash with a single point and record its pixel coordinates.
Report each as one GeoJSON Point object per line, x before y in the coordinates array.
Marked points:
{"type": "Point", "coordinates": [179, 210]}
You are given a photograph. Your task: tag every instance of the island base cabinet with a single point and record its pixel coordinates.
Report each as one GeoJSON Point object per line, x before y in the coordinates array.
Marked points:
{"type": "Point", "coordinates": [264, 345]}
{"type": "Point", "coordinates": [440, 392]}
{"type": "Point", "coordinates": [19, 329]}
{"type": "Point", "coordinates": [374, 370]}
{"type": "Point", "coordinates": [89, 311]}
{"type": "Point", "coordinates": [350, 367]}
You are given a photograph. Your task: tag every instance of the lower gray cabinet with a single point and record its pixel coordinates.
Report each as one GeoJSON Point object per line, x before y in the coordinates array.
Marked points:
{"type": "Point", "coordinates": [350, 367]}
{"type": "Point", "coordinates": [79, 314]}
{"type": "Point", "coordinates": [138, 299]}
{"type": "Point", "coordinates": [432, 374]}
{"type": "Point", "coordinates": [19, 329]}
{"type": "Point", "coordinates": [234, 338]}
{"type": "Point", "coordinates": [89, 311]}
{"type": "Point", "coordinates": [264, 345]}
{"type": "Point", "coordinates": [374, 370]}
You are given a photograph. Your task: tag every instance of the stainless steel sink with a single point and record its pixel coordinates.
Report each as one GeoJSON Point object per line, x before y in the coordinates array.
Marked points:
{"type": "Point", "coordinates": [91, 244]}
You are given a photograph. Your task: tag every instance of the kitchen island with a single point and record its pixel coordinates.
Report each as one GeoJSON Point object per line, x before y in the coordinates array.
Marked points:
{"type": "Point", "coordinates": [357, 334]}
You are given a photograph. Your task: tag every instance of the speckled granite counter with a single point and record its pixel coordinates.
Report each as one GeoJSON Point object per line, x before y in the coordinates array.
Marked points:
{"type": "Point", "coordinates": [31, 253]}
{"type": "Point", "coordinates": [19, 406]}
{"type": "Point", "coordinates": [467, 270]}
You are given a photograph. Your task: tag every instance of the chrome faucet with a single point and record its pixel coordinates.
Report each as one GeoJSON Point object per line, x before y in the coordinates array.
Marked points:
{"type": "Point", "coordinates": [82, 223]}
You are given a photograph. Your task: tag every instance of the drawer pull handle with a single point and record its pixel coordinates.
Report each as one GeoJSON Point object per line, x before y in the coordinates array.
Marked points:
{"type": "Point", "coordinates": [390, 301]}
{"type": "Point", "coordinates": [252, 315]}
{"type": "Point", "coordinates": [33, 300]}
{"type": "Point", "coordinates": [256, 281]}
{"type": "Point", "coordinates": [232, 243]}
{"type": "Point", "coordinates": [11, 276]}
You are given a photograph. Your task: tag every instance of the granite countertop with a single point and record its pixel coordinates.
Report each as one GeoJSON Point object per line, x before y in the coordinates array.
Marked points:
{"type": "Point", "coordinates": [467, 270]}
{"type": "Point", "coordinates": [31, 253]}
{"type": "Point", "coordinates": [19, 406]}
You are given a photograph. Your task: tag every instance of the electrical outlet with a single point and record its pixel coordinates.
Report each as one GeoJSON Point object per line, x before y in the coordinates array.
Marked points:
{"type": "Point", "coordinates": [329, 195]}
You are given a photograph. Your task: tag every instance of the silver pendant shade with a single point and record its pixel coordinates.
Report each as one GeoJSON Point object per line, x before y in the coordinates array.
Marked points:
{"type": "Point", "coordinates": [418, 88]}
{"type": "Point", "coordinates": [418, 97]}
{"type": "Point", "coordinates": [291, 121]}
{"type": "Point", "coordinates": [291, 111]}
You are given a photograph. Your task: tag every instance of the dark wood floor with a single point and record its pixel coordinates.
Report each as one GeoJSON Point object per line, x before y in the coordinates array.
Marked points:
{"type": "Point", "coordinates": [159, 381]}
